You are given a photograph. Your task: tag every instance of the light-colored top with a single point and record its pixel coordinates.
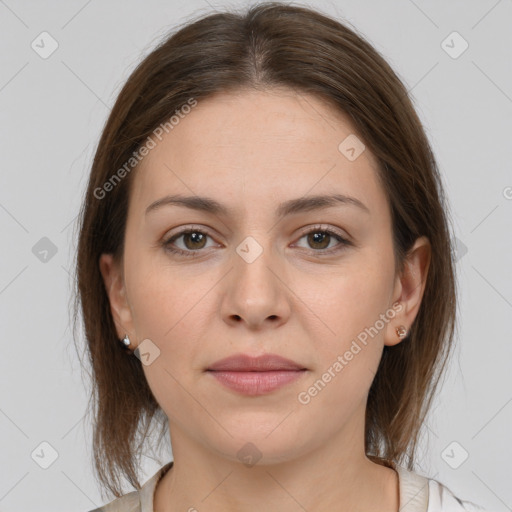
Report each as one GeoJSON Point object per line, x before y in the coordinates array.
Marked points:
{"type": "Point", "coordinates": [417, 494]}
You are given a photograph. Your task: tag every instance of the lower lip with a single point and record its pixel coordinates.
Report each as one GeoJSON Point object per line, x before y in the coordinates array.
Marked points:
{"type": "Point", "coordinates": [256, 383]}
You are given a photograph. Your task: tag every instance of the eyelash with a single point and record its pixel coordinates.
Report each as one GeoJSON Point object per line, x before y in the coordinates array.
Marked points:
{"type": "Point", "coordinates": [315, 229]}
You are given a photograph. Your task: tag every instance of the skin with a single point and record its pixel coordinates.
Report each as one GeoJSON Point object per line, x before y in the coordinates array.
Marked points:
{"type": "Point", "coordinates": [251, 151]}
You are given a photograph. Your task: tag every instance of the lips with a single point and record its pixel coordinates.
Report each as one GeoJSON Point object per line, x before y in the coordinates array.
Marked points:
{"type": "Point", "coordinates": [247, 363]}
{"type": "Point", "coordinates": [253, 376]}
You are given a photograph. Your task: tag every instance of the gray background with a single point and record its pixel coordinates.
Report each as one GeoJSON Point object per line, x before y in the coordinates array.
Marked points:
{"type": "Point", "coordinates": [52, 112]}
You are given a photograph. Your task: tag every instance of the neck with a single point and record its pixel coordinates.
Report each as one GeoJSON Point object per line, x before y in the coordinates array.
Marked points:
{"type": "Point", "coordinates": [321, 479]}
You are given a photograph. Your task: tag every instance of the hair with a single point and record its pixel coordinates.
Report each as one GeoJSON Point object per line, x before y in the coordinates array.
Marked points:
{"type": "Point", "coordinates": [269, 45]}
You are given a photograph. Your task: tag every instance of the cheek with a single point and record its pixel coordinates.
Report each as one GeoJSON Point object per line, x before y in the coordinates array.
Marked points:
{"type": "Point", "coordinates": [349, 355]}
{"type": "Point", "coordinates": [346, 362]}
{"type": "Point", "coordinates": [171, 313]}
{"type": "Point", "coordinates": [354, 300]}
{"type": "Point", "coordinates": [165, 300]}
{"type": "Point", "coordinates": [175, 316]}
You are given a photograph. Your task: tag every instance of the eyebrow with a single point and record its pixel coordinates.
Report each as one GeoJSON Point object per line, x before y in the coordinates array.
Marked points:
{"type": "Point", "coordinates": [292, 206]}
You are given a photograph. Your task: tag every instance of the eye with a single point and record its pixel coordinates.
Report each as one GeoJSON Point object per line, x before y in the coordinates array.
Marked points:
{"type": "Point", "coordinates": [320, 238]}
{"type": "Point", "coordinates": [193, 238]}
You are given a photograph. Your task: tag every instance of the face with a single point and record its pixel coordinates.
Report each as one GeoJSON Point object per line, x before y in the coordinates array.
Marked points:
{"type": "Point", "coordinates": [305, 283]}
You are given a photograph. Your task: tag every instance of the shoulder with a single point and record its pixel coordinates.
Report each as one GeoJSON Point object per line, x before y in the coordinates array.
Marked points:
{"type": "Point", "coordinates": [136, 501]}
{"type": "Point", "coordinates": [442, 499]}
{"type": "Point", "coordinates": [127, 503]}
{"type": "Point", "coordinates": [421, 494]}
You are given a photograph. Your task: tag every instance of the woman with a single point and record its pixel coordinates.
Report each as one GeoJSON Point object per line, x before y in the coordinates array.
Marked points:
{"type": "Point", "coordinates": [265, 267]}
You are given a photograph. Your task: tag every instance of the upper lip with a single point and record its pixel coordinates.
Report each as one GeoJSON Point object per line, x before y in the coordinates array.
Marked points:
{"type": "Point", "coordinates": [247, 363]}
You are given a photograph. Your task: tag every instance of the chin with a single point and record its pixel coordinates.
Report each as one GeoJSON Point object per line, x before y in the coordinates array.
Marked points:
{"type": "Point", "coordinates": [266, 442]}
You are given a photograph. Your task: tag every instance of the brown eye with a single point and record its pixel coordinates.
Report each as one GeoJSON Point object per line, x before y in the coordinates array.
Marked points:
{"type": "Point", "coordinates": [193, 241]}
{"type": "Point", "coordinates": [319, 239]}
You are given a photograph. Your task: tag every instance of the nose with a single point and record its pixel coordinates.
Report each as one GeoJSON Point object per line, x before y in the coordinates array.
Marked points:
{"type": "Point", "coordinates": [255, 292]}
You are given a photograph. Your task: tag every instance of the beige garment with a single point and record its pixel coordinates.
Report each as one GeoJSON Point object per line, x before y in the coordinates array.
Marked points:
{"type": "Point", "coordinates": [417, 494]}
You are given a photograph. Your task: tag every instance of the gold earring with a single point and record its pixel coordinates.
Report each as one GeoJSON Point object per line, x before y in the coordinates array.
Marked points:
{"type": "Point", "coordinates": [401, 332]}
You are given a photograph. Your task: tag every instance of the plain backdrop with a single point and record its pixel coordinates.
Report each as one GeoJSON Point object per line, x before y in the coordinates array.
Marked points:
{"type": "Point", "coordinates": [53, 108]}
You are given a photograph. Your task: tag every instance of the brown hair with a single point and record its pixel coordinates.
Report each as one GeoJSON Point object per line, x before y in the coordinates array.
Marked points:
{"type": "Point", "coordinates": [270, 45]}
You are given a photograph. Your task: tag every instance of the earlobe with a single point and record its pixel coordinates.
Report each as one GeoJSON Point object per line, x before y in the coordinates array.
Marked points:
{"type": "Point", "coordinates": [410, 286]}
{"type": "Point", "coordinates": [116, 292]}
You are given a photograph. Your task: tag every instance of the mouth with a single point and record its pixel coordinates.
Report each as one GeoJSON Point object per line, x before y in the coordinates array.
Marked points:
{"type": "Point", "coordinates": [256, 375]}
{"type": "Point", "coordinates": [247, 363]}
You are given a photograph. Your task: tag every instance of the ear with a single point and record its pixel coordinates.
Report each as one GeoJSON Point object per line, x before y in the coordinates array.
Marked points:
{"type": "Point", "coordinates": [409, 288]}
{"type": "Point", "coordinates": [116, 291]}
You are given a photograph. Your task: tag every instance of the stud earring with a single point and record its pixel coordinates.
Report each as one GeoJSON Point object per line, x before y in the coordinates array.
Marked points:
{"type": "Point", "coordinates": [401, 332]}
{"type": "Point", "coordinates": [126, 343]}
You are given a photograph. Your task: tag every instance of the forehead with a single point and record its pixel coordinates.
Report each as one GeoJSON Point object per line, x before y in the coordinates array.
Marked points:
{"type": "Point", "coordinates": [249, 145]}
